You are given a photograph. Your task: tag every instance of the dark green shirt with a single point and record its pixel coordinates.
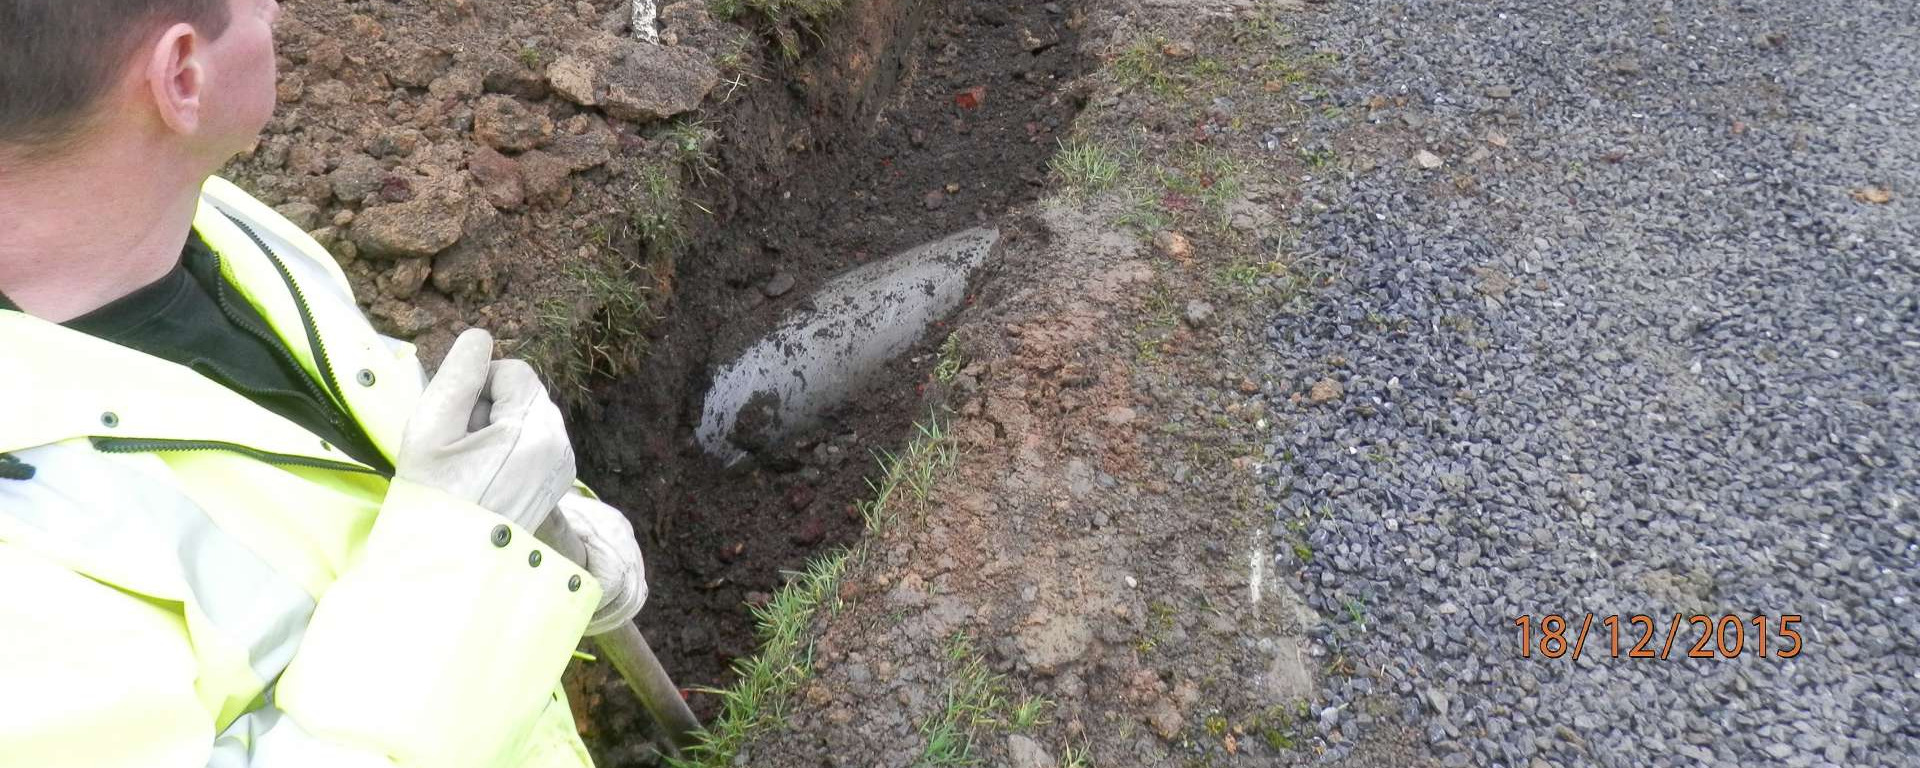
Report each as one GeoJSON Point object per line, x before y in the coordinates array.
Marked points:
{"type": "Point", "coordinates": [193, 317]}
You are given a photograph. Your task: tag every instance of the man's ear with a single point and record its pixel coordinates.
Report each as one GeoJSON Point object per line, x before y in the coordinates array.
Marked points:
{"type": "Point", "coordinates": [176, 78]}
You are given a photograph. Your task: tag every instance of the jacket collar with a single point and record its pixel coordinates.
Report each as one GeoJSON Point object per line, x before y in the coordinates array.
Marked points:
{"type": "Point", "coordinates": [59, 384]}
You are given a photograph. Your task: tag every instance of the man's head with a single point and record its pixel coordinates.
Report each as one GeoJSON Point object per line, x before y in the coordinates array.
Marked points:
{"type": "Point", "coordinates": [192, 79]}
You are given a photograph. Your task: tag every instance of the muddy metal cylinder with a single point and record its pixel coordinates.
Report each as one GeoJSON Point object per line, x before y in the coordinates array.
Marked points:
{"type": "Point", "coordinates": [824, 353]}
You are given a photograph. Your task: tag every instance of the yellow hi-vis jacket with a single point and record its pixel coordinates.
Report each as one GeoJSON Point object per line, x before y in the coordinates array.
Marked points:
{"type": "Point", "coordinates": [188, 579]}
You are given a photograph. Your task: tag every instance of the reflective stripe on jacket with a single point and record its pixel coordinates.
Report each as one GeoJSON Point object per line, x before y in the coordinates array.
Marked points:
{"type": "Point", "coordinates": [188, 579]}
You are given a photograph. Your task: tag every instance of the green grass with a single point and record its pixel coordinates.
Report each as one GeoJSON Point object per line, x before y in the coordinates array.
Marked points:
{"type": "Point", "coordinates": [782, 20]}
{"type": "Point", "coordinates": [1086, 167]}
{"type": "Point", "coordinates": [1265, 28]}
{"type": "Point", "coordinates": [734, 60]}
{"type": "Point", "coordinates": [974, 698]}
{"type": "Point", "coordinates": [1149, 349]}
{"type": "Point", "coordinates": [1159, 317]}
{"type": "Point", "coordinates": [1145, 65]}
{"type": "Point", "coordinates": [1159, 627]}
{"type": "Point", "coordinates": [692, 144]}
{"type": "Point", "coordinates": [950, 360]}
{"type": "Point", "coordinates": [530, 56]}
{"type": "Point", "coordinates": [768, 679]}
{"type": "Point", "coordinates": [1283, 728]}
{"type": "Point", "coordinates": [595, 326]}
{"type": "Point", "coordinates": [1143, 212]}
{"type": "Point", "coordinates": [1279, 279]}
{"type": "Point", "coordinates": [1142, 64]}
{"type": "Point", "coordinates": [1242, 274]}
{"type": "Point", "coordinates": [1190, 189]}
{"type": "Point", "coordinates": [1203, 180]}
{"type": "Point", "coordinates": [1030, 713]}
{"type": "Point", "coordinates": [1320, 159]}
{"type": "Point", "coordinates": [1356, 611]}
{"type": "Point", "coordinates": [759, 700]}
{"type": "Point", "coordinates": [910, 475]}
{"type": "Point", "coordinates": [775, 10]}
{"type": "Point", "coordinates": [1076, 757]}
{"type": "Point", "coordinates": [1162, 306]}
{"type": "Point", "coordinates": [596, 330]}
{"type": "Point", "coordinates": [653, 210]}
{"type": "Point", "coordinates": [1208, 70]}
{"type": "Point", "coordinates": [975, 702]}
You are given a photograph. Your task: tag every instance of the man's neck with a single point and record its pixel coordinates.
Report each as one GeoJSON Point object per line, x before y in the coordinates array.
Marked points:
{"type": "Point", "coordinates": [78, 234]}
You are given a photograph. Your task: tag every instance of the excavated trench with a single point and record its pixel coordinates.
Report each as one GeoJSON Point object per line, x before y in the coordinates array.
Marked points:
{"type": "Point", "coordinates": [905, 123]}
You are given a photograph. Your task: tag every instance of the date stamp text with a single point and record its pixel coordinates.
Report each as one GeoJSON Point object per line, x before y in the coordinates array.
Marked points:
{"type": "Point", "coordinates": [1647, 637]}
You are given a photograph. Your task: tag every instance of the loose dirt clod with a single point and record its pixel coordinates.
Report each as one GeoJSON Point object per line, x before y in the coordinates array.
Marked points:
{"type": "Point", "coordinates": [1173, 245]}
{"type": "Point", "coordinates": [1325, 391]}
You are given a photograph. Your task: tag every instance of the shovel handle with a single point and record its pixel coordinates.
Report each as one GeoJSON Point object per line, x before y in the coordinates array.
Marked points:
{"type": "Point", "coordinates": [627, 649]}
{"type": "Point", "coordinates": [630, 655]}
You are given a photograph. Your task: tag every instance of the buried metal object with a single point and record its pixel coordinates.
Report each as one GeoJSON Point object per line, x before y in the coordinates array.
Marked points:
{"type": "Point", "coordinates": [821, 355]}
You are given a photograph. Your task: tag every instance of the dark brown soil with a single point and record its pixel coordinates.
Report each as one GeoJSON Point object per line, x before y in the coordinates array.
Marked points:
{"type": "Point", "coordinates": [1102, 551]}
{"type": "Point", "coordinates": [916, 120]}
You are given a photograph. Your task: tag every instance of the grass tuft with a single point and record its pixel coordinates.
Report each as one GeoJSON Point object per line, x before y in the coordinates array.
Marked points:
{"type": "Point", "coordinates": [692, 144]}
{"type": "Point", "coordinates": [1085, 167]}
{"type": "Point", "coordinates": [915, 472]}
{"type": "Point", "coordinates": [1030, 713]}
{"type": "Point", "coordinates": [653, 211]}
{"type": "Point", "coordinates": [1160, 620]}
{"type": "Point", "coordinates": [768, 679]}
{"type": "Point", "coordinates": [950, 360]}
{"type": "Point", "coordinates": [975, 697]}
{"type": "Point", "coordinates": [596, 330]}
{"type": "Point", "coordinates": [1202, 181]}
{"type": "Point", "coordinates": [782, 20]}
{"type": "Point", "coordinates": [1142, 64]}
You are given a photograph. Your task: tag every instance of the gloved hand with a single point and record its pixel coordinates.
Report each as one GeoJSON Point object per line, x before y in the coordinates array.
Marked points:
{"type": "Point", "coordinates": [518, 465]}
{"type": "Point", "coordinates": [601, 540]}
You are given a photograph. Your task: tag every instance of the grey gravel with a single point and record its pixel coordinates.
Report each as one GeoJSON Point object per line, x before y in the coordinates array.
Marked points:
{"type": "Point", "coordinates": [1647, 355]}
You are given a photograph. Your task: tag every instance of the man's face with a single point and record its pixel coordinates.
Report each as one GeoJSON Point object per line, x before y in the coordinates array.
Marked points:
{"type": "Point", "coordinates": [241, 71]}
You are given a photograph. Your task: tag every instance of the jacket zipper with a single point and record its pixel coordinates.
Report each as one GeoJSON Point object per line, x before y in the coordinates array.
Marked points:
{"type": "Point", "coordinates": [153, 445]}
{"type": "Point", "coordinates": [306, 321]}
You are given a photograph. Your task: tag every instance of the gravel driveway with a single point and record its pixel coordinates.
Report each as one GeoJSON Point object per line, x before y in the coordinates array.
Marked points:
{"type": "Point", "coordinates": [1647, 343]}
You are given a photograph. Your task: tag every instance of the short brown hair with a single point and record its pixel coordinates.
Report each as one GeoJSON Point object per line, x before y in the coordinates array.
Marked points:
{"type": "Point", "coordinates": [58, 57]}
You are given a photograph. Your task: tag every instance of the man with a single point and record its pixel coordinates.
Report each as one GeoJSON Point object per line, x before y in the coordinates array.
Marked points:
{"type": "Point", "coordinates": [237, 526]}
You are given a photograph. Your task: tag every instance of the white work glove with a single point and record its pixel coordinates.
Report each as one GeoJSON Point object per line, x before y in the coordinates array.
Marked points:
{"type": "Point", "coordinates": [517, 463]}
{"type": "Point", "coordinates": [600, 539]}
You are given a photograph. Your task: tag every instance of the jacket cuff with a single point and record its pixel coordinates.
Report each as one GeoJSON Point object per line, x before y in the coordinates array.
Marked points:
{"type": "Point", "coordinates": [443, 641]}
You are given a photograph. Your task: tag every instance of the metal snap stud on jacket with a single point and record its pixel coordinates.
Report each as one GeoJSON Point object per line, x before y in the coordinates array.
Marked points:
{"type": "Point", "coordinates": [12, 468]}
{"type": "Point", "coordinates": [533, 558]}
{"type": "Point", "coordinates": [110, 419]}
{"type": "Point", "coordinates": [502, 535]}
{"type": "Point", "coordinates": [365, 377]}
